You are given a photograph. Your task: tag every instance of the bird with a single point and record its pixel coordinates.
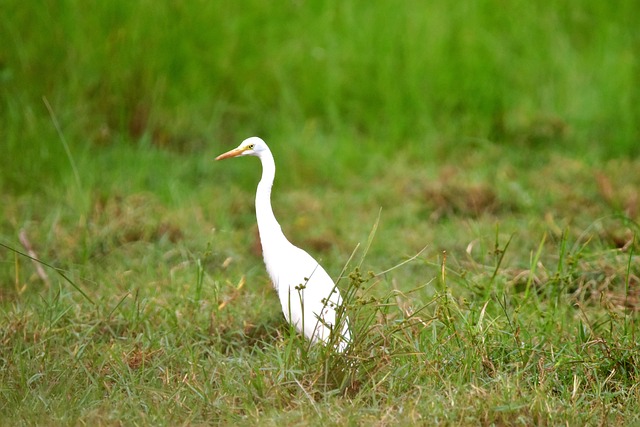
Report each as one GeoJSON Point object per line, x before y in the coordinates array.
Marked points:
{"type": "Point", "coordinates": [309, 298]}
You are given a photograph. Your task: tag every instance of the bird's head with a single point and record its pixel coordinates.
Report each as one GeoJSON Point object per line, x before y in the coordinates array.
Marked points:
{"type": "Point", "coordinates": [253, 146]}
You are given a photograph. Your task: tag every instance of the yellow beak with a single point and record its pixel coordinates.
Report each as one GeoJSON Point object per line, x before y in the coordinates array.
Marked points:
{"type": "Point", "coordinates": [232, 153]}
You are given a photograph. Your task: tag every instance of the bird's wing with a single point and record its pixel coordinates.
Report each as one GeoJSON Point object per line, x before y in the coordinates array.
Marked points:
{"type": "Point", "coordinates": [307, 293]}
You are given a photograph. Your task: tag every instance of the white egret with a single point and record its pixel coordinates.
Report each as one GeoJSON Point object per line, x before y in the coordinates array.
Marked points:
{"type": "Point", "coordinates": [307, 294]}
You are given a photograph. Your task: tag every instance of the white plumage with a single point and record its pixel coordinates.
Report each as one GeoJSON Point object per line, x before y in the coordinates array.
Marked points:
{"type": "Point", "coordinates": [307, 294]}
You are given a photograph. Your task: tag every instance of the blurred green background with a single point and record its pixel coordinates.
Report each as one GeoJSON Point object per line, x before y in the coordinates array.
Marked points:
{"type": "Point", "coordinates": [348, 78]}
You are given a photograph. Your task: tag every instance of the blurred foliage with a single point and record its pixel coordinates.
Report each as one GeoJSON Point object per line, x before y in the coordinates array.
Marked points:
{"type": "Point", "coordinates": [388, 75]}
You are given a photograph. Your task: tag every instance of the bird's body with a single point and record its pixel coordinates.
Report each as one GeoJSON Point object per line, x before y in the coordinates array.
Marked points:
{"type": "Point", "coordinates": [307, 294]}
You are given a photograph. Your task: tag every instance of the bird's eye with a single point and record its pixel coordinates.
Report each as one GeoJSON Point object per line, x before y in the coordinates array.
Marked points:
{"type": "Point", "coordinates": [251, 147]}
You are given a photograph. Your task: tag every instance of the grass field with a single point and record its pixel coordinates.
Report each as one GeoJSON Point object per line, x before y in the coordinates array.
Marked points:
{"type": "Point", "coordinates": [472, 168]}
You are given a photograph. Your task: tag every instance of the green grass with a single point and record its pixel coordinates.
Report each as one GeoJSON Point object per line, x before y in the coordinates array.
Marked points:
{"type": "Point", "coordinates": [503, 137]}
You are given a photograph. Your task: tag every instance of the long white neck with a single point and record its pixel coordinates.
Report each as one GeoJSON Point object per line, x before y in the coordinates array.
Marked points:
{"type": "Point", "coordinates": [271, 236]}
